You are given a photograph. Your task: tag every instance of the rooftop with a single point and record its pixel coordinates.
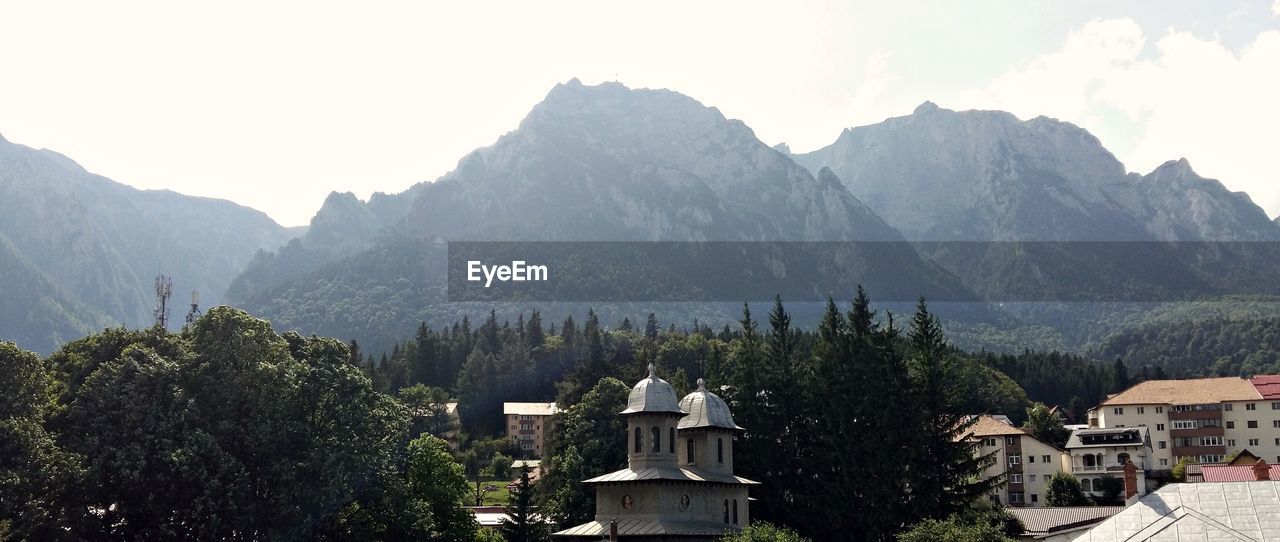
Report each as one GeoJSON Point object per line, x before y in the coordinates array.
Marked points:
{"type": "Point", "coordinates": [1186, 392]}
{"type": "Point", "coordinates": [1239, 511]}
{"type": "Point", "coordinates": [705, 409]}
{"type": "Point", "coordinates": [1045, 520]}
{"type": "Point", "coordinates": [1236, 473]}
{"type": "Point", "coordinates": [529, 409]}
{"type": "Point", "coordinates": [654, 395]}
{"type": "Point", "coordinates": [991, 426]}
{"type": "Point", "coordinates": [640, 527]}
{"type": "Point", "coordinates": [680, 474]}
{"type": "Point", "coordinates": [1268, 386]}
{"type": "Point", "coordinates": [1116, 436]}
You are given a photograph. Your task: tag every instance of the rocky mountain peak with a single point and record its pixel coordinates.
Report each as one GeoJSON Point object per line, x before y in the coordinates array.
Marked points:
{"type": "Point", "coordinates": [926, 108]}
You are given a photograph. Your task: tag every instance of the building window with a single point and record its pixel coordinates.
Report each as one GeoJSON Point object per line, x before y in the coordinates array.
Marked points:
{"type": "Point", "coordinates": [1045, 459]}
{"type": "Point", "coordinates": [1142, 410]}
{"type": "Point", "coordinates": [726, 511]}
{"type": "Point", "coordinates": [1210, 422]}
{"type": "Point", "coordinates": [1015, 459]}
{"type": "Point", "coordinates": [1251, 406]}
{"type": "Point", "coordinates": [719, 450]}
{"type": "Point", "coordinates": [1015, 478]}
{"type": "Point", "coordinates": [1015, 498]}
{"type": "Point", "coordinates": [1253, 424]}
{"type": "Point", "coordinates": [1159, 410]}
{"type": "Point", "coordinates": [1184, 424]}
{"type": "Point", "coordinates": [1275, 423]}
{"type": "Point", "coordinates": [1231, 425]}
{"type": "Point", "coordinates": [1086, 485]}
{"type": "Point", "coordinates": [1211, 441]}
{"type": "Point", "coordinates": [735, 511]}
{"type": "Point", "coordinates": [1031, 459]}
{"type": "Point", "coordinates": [656, 435]}
{"type": "Point", "coordinates": [1227, 406]}
{"type": "Point", "coordinates": [1009, 441]}
{"type": "Point", "coordinates": [1275, 406]}
{"type": "Point", "coordinates": [1253, 442]}
{"type": "Point", "coordinates": [1231, 442]}
{"type": "Point", "coordinates": [1031, 478]}
{"type": "Point", "coordinates": [1163, 445]}
{"type": "Point", "coordinates": [639, 446]}
{"type": "Point", "coordinates": [988, 442]}
{"type": "Point", "coordinates": [1164, 462]}
{"type": "Point", "coordinates": [1278, 442]}
{"type": "Point", "coordinates": [671, 441]}
{"type": "Point", "coordinates": [1159, 427]}
{"type": "Point", "coordinates": [688, 451]}
{"type": "Point", "coordinates": [1117, 410]}
{"type": "Point", "coordinates": [1035, 498]}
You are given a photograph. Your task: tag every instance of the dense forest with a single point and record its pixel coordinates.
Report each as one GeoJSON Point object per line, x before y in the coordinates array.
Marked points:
{"type": "Point", "coordinates": [229, 430]}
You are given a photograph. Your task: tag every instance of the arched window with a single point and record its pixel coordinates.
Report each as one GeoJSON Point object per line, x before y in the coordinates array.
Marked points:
{"type": "Point", "coordinates": [639, 447]}
{"type": "Point", "coordinates": [688, 452]}
{"type": "Point", "coordinates": [671, 441]}
{"type": "Point", "coordinates": [1123, 458]}
{"type": "Point", "coordinates": [720, 451]}
{"type": "Point", "coordinates": [726, 511]}
{"type": "Point", "coordinates": [1085, 485]}
{"type": "Point", "coordinates": [735, 511]}
{"type": "Point", "coordinates": [657, 439]}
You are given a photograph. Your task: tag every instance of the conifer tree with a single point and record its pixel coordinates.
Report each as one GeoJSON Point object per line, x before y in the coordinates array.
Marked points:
{"type": "Point", "coordinates": [942, 481]}
{"type": "Point", "coordinates": [523, 523]}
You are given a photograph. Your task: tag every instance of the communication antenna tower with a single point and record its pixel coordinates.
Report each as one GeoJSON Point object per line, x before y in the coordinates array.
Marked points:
{"type": "Point", "coordinates": [194, 311]}
{"type": "Point", "coordinates": [164, 289]}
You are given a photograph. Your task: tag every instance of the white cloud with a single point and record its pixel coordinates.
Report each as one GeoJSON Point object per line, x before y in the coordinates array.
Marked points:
{"type": "Point", "coordinates": [1276, 7]}
{"type": "Point", "coordinates": [1185, 97]}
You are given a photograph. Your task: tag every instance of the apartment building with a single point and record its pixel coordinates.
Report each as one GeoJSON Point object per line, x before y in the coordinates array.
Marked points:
{"type": "Point", "coordinates": [1101, 453]}
{"type": "Point", "coordinates": [1205, 419]}
{"type": "Point", "coordinates": [1027, 461]}
{"type": "Point", "coordinates": [527, 425]}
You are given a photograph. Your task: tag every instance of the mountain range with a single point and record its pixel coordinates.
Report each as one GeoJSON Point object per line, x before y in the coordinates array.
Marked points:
{"type": "Point", "coordinates": [79, 251]}
{"type": "Point", "coordinates": [602, 162]}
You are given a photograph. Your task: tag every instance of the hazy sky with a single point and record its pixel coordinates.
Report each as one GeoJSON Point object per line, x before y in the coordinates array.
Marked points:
{"type": "Point", "coordinates": [275, 104]}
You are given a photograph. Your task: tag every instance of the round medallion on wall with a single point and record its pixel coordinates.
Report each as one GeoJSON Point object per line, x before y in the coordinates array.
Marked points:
{"type": "Point", "coordinates": [684, 502]}
{"type": "Point", "coordinates": [627, 503]}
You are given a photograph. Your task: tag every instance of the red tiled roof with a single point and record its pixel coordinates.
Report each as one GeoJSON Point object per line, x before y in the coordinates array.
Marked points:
{"type": "Point", "coordinates": [1268, 386]}
{"type": "Point", "coordinates": [1238, 473]}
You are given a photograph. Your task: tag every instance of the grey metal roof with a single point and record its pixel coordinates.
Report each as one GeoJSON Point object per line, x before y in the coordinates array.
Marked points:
{"type": "Point", "coordinates": [1075, 440]}
{"type": "Point", "coordinates": [1233, 511]}
{"type": "Point", "coordinates": [639, 527]}
{"type": "Point", "coordinates": [678, 474]}
{"type": "Point", "coordinates": [705, 409]}
{"type": "Point", "coordinates": [652, 394]}
{"type": "Point", "coordinates": [1042, 520]}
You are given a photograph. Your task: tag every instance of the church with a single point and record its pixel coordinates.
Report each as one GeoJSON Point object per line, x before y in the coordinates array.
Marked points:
{"type": "Point", "coordinates": [679, 482]}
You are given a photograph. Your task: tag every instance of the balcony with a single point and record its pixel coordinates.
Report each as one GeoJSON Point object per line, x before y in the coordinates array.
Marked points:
{"type": "Point", "coordinates": [1091, 469]}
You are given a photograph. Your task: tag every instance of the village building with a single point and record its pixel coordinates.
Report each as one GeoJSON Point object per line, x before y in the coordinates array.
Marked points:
{"type": "Point", "coordinates": [1026, 462]}
{"type": "Point", "coordinates": [679, 482]}
{"type": "Point", "coordinates": [1204, 419]}
{"type": "Point", "coordinates": [1101, 453]}
{"type": "Point", "coordinates": [528, 424]}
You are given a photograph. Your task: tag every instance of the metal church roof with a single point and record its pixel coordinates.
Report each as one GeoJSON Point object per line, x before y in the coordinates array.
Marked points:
{"type": "Point", "coordinates": [706, 409]}
{"type": "Point", "coordinates": [652, 394]}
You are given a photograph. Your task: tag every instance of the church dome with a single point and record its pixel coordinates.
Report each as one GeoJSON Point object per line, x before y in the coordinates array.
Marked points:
{"type": "Point", "coordinates": [706, 409]}
{"type": "Point", "coordinates": [652, 394]}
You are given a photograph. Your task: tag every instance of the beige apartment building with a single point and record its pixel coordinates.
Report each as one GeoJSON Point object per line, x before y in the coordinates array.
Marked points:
{"type": "Point", "coordinates": [1027, 461]}
{"type": "Point", "coordinates": [527, 425]}
{"type": "Point", "coordinates": [1205, 419]}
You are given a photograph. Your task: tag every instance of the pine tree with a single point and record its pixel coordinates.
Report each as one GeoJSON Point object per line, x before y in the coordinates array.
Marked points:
{"type": "Point", "coordinates": [1120, 381]}
{"type": "Point", "coordinates": [523, 524]}
{"type": "Point", "coordinates": [943, 481]}
{"type": "Point", "coordinates": [534, 329]}
{"type": "Point", "coordinates": [651, 327]}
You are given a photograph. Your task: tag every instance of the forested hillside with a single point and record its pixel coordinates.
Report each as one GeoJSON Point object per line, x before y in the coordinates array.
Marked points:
{"type": "Point", "coordinates": [89, 248]}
